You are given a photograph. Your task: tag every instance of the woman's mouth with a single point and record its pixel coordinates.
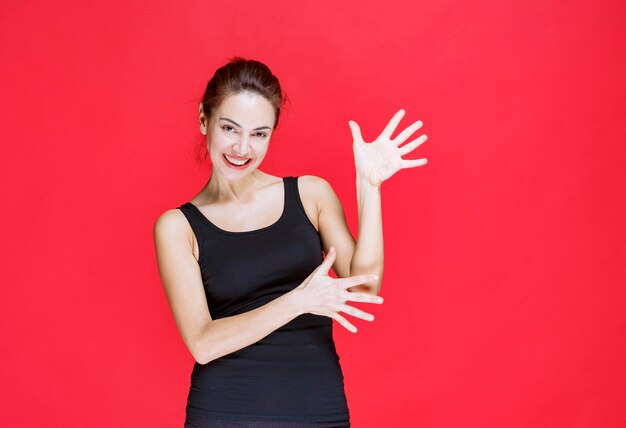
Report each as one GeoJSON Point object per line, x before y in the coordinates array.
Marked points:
{"type": "Point", "coordinates": [236, 163]}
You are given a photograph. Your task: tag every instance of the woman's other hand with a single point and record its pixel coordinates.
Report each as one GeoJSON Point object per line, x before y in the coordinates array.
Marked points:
{"type": "Point", "coordinates": [322, 294]}
{"type": "Point", "coordinates": [380, 159]}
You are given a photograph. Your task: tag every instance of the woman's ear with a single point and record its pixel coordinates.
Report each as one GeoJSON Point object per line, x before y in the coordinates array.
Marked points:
{"type": "Point", "coordinates": [202, 119]}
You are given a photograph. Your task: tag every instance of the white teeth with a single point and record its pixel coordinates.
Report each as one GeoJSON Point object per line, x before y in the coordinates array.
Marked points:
{"type": "Point", "coordinates": [235, 161]}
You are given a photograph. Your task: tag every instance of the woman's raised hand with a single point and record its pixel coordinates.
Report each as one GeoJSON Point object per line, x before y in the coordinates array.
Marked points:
{"type": "Point", "coordinates": [380, 159]}
{"type": "Point", "coordinates": [322, 294]}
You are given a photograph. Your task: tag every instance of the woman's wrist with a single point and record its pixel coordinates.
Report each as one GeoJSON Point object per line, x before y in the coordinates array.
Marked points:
{"type": "Point", "coordinates": [363, 184]}
{"type": "Point", "coordinates": [293, 302]}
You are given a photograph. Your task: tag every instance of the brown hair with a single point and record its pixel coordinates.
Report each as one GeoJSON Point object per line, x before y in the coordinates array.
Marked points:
{"type": "Point", "coordinates": [239, 75]}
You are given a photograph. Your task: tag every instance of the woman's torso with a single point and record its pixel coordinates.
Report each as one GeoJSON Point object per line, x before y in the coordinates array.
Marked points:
{"type": "Point", "coordinates": [291, 375]}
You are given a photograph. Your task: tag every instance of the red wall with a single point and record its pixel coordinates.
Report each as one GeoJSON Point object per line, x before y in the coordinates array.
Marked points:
{"type": "Point", "coordinates": [504, 277]}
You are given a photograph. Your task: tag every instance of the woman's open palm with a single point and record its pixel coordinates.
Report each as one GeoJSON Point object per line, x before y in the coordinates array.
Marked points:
{"type": "Point", "coordinates": [321, 294]}
{"type": "Point", "coordinates": [380, 159]}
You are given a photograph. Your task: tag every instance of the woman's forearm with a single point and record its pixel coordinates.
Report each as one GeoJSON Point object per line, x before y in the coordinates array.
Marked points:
{"type": "Point", "coordinates": [368, 257]}
{"type": "Point", "coordinates": [222, 336]}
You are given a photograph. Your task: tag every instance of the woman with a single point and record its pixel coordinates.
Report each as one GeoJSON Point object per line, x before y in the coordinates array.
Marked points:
{"type": "Point", "coordinates": [242, 267]}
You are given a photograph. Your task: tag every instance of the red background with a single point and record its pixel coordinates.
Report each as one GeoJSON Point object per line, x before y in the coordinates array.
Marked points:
{"type": "Point", "coordinates": [504, 277]}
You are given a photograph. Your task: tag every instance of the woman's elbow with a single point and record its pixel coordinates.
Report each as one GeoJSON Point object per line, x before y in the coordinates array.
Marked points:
{"type": "Point", "coordinates": [201, 349]}
{"type": "Point", "coordinates": [200, 354]}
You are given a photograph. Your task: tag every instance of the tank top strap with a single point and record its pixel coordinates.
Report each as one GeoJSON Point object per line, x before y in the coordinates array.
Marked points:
{"type": "Point", "coordinates": [291, 197]}
{"type": "Point", "coordinates": [196, 223]}
{"type": "Point", "coordinates": [295, 207]}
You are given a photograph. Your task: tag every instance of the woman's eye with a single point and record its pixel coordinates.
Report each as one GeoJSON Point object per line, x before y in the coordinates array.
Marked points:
{"type": "Point", "coordinates": [227, 128]}
{"type": "Point", "coordinates": [261, 134]}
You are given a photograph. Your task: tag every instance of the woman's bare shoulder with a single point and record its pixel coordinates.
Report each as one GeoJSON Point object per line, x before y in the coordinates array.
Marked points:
{"type": "Point", "coordinates": [312, 182]}
{"type": "Point", "coordinates": [172, 225]}
{"type": "Point", "coordinates": [314, 187]}
{"type": "Point", "coordinates": [317, 193]}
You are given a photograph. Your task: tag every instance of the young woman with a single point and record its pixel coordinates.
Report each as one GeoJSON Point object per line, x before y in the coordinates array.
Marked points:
{"type": "Point", "coordinates": [243, 271]}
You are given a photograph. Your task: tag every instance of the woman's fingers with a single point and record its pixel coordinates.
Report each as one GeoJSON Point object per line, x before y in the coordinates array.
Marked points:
{"type": "Point", "coordinates": [354, 296]}
{"type": "Point", "coordinates": [356, 130]}
{"type": "Point", "coordinates": [393, 124]}
{"type": "Point", "coordinates": [407, 132]}
{"type": "Point", "coordinates": [408, 147]}
{"type": "Point", "coordinates": [325, 266]}
{"type": "Point", "coordinates": [351, 281]}
{"type": "Point", "coordinates": [355, 312]}
{"type": "Point", "coordinates": [412, 145]}
{"type": "Point", "coordinates": [412, 163]}
{"type": "Point", "coordinates": [344, 322]}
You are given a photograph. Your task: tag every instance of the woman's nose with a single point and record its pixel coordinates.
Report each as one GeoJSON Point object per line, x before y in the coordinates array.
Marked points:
{"type": "Point", "coordinates": [242, 145]}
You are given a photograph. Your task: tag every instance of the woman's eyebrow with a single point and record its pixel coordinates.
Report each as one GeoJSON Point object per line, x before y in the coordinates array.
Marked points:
{"type": "Point", "coordinates": [235, 123]}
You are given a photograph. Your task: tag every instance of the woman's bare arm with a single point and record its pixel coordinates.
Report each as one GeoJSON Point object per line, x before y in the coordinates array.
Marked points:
{"type": "Point", "coordinates": [366, 255]}
{"type": "Point", "coordinates": [209, 339]}
{"type": "Point", "coordinates": [375, 162]}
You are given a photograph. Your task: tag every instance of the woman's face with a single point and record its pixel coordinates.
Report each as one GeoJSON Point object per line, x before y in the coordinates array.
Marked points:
{"type": "Point", "coordinates": [238, 134]}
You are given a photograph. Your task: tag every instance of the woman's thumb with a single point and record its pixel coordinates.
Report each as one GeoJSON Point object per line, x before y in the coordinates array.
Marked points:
{"type": "Point", "coordinates": [328, 260]}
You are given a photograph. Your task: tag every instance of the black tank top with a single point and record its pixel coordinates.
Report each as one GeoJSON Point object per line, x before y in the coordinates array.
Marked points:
{"type": "Point", "coordinates": [290, 378]}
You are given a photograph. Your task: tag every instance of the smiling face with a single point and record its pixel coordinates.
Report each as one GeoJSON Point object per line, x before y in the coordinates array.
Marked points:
{"type": "Point", "coordinates": [238, 134]}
